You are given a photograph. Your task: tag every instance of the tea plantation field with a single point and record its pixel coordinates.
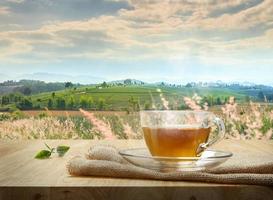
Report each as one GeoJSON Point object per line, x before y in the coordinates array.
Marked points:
{"type": "Point", "coordinates": [120, 97]}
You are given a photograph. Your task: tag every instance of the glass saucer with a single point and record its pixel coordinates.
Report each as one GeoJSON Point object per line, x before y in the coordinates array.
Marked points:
{"type": "Point", "coordinates": [141, 157]}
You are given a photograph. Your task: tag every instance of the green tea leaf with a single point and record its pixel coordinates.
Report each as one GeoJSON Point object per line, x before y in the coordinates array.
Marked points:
{"type": "Point", "coordinates": [43, 154]}
{"type": "Point", "coordinates": [61, 150]}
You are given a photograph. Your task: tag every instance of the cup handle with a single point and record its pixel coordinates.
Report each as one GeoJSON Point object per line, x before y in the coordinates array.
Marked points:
{"type": "Point", "coordinates": [221, 134]}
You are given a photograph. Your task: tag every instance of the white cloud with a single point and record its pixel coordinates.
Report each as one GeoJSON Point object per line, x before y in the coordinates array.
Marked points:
{"type": "Point", "coordinates": [150, 30]}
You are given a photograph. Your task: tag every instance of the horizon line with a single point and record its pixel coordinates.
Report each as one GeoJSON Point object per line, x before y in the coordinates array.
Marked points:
{"type": "Point", "coordinates": [146, 82]}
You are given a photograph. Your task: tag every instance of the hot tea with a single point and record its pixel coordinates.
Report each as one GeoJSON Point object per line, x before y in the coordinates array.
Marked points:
{"type": "Point", "coordinates": [180, 133]}
{"type": "Point", "coordinates": [178, 141]}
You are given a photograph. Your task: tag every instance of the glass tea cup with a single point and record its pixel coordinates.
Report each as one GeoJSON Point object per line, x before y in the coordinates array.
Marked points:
{"type": "Point", "coordinates": [179, 133]}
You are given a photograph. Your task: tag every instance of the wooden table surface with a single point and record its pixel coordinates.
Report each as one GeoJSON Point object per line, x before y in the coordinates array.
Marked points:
{"type": "Point", "coordinates": [23, 177]}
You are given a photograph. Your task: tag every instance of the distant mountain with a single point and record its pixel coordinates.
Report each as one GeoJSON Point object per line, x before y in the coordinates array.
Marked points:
{"type": "Point", "coordinates": [233, 85]}
{"type": "Point", "coordinates": [246, 83]}
{"type": "Point", "coordinates": [51, 77]}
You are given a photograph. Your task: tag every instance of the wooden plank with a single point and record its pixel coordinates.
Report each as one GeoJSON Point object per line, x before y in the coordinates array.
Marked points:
{"type": "Point", "coordinates": [23, 177]}
{"type": "Point", "coordinates": [134, 193]}
{"type": "Point", "coordinates": [20, 163]}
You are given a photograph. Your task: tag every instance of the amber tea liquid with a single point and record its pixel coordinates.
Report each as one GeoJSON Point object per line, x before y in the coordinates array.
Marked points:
{"type": "Point", "coordinates": [175, 141]}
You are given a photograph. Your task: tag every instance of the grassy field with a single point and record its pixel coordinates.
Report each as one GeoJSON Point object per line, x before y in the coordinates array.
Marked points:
{"type": "Point", "coordinates": [69, 113]}
{"type": "Point", "coordinates": [242, 121]}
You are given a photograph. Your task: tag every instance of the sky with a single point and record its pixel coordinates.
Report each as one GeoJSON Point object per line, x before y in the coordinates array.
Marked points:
{"type": "Point", "coordinates": [176, 41]}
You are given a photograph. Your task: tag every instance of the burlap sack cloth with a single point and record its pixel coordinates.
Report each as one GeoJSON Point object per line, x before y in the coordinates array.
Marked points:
{"type": "Point", "coordinates": [105, 161]}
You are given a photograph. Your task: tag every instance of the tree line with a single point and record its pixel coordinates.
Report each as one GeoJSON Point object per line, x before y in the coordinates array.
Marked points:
{"type": "Point", "coordinates": [23, 102]}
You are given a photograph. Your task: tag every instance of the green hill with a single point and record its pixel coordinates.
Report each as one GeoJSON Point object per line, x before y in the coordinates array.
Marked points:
{"type": "Point", "coordinates": [117, 97]}
{"type": "Point", "coordinates": [124, 97]}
